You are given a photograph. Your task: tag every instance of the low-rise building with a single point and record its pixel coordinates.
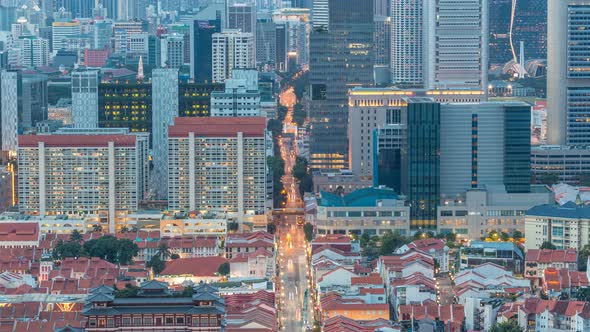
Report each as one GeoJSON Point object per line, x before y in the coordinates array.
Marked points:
{"type": "Point", "coordinates": [412, 289]}
{"type": "Point", "coordinates": [259, 264]}
{"type": "Point", "coordinates": [436, 248]}
{"type": "Point", "coordinates": [19, 234]}
{"type": "Point", "coordinates": [370, 210]}
{"type": "Point", "coordinates": [405, 265]}
{"type": "Point", "coordinates": [565, 226]}
{"type": "Point", "coordinates": [338, 180]}
{"type": "Point", "coordinates": [559, 163]}
{"type": "Point", "coordinates": [366, 306]}
{"type": "Point", "coordinates": [431, 316]}
{"type": "Point", "coordinates": [251, 311]}
{"type": "Point", "coordinates": [487, 279]}
{"type": "Point", "coordinates": [344, 324]}
{"type": "Point", "coordinates": [505, 254]}
{"type": "Point", "coordinates": [196, 270]}
{"type": "Point", "coordinates": [248, 243]}
{"type": "Point", "coordinates": [481, 211]}
{"type": "Point", "coordinates": [537, 260]}
{"type": "Point", "coordinates": [550, 315]}
{"type": "Point", "coordinates": [556, 282]}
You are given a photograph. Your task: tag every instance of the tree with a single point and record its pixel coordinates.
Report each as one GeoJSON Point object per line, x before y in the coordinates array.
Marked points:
{"type": "Point", "coordinates": [96, 228]}
{"type": "Point", "coordinates": [306, 185]}
{"type": "Point", "coordinates": [364, 240]}
{"type": "Point", "coordinates": [430, 234]}
{"type": "Point", "coordinates": [547, 179]}
{"type": "Point", "coordinates": [188, 291]}
{"type": "Point", "coordinates": [129, 291]}
{"type": "Point", "coordinates": [390, 241]}
{"type": "Point", "coordinates": [507, 326]}
{"type": "Point", "coordinates": [223, 269]}
{"type": "Point", "coordinates": [300, 168]}
{"type": "Point", "coordinates": [582, 294]}
{"type": "Point", "coordinates": [233, 226]}
{"type": "Point", "coordinates": [112, 249]}
{"type": "Point", "coordinates": [517, 235]}
{"type": "Point", "coordinates": [548, 245]}
{"type": "Point", "coordinates": [164, 251]}
{"type": "Point", "coordinates": [66, 249]}
{"type": "Point", "coordinates": [451, 237]}
{"type": "Point", "coordinates": [505, 236]}
{"type": "Point", "coordinates": [156, 264]}
{"type": "Point", "coordinates": [124, 229]}
{"type": "Point", "coordinates": [271, 227]}
{"type": "Point", "coordinates": [76, 236]}
{"type": "Point", "coordinates": [418, 235]}
{"type": "Point", "coordinates": [174, 256]}
{"type": "Point", "coordinates": [127, 249]}
{"type": "Point", "coordinates": [308, 230]}
{"type": "Point", "coordinates": [583, 258]}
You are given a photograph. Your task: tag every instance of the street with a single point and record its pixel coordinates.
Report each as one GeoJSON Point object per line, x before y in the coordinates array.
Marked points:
{"type": "Point", "coordinates": [294, 303]}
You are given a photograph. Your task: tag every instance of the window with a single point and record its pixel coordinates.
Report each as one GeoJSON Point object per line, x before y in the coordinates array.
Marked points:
{"type": "Point", "coordinates": [169, 320]}
{"type": "Point", "coordinates": [460, 213]}
{"type": "Point", "coordinates": [147, 321]}
{"type": "Point", "coordinates": [137, 321]}
{"type": "Point", "coordinates": [446, 213]}
{"type": "Point", "coordinates": [179, 320]}
{"type": "Point", "coordinates": [126, 321]}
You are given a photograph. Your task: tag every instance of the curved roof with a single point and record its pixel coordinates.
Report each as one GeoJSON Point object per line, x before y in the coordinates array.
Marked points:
{"type": "Point", "coordinates": [361, 197]}
{"type": "Point", "coordinates": [569, 210]}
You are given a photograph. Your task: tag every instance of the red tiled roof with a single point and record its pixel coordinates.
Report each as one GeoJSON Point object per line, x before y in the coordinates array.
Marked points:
{"type": "Point", "coordinates": [196, 266]}
{"type": "Point", "coordinates": [548, 256]}
{"type": "Point", "coordinates": [19, 231]}
{"type": "Point", "coordinates": [373, 279]}
{"type": "Point", "coordinates": [345, 324]}
{"type": "Point", "coordinates": [32, 141]}
{"type": "Point", "coordinates": [333, 301]}
{"type": "Point", "coordinates": [332, 239]}
{"type": "Point", "coordinates": [218, 126]}
{"type": "Point", "coordinates": [452, 315]}
{"type": "Point", "coordinates": [426, 244]}
{"type": "Point", "coordinates": [560, 279]}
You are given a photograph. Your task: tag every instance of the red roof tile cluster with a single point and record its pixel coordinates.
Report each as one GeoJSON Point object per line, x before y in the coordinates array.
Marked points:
{"type": "Point", "coordinates": [250, 240]}
{"type": "Point", "coordinates": [509, 310]}
{"type": "Point", "coordinates": [50, 141]}
{"type": "Point", "coordinates": [218, 126]}
{"type": "Point", "coordinates": [398, 262]}
{"type": "Point", "coordinates": [19, 232]}
{"type": "Point", "coordinates": [559, 279]}
{"type": "Point", "coordinates": [334, 301]}
{"type": "Point", "coordinates": [535, 306]}
{"type": "Point", "coordinates": [251, 312]}
{"type": "Point", "coordinates": [244, 257]}
{"type": "Point", "coordinates": [452, 315]}
{"type": "Point", "coordinates": [373, 279]}
{"type": "Point", "coordinates": [195, 266]}
{"type": "Point", "coordinates": [548, 256]}
{"type": "Point", "coordinates": [415, 279]}
{"type": "Point", "coordinates": [426, 245]}
{"type": "Point", "coordinates": [344, 324]}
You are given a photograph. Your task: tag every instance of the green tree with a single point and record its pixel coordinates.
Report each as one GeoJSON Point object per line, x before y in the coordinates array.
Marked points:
{"type": "Point", "coordinates": [517, 235]}
{"type": "Point", "coordinates": [174, 256]}
{"type": "Point", "coordinates": [300, 168]}
{"type": "Point", "coordinates": [223, 269]}
{"type": "Point", "coordinates": [156, 264]}
{"type": "Point", "coordinates": [232, 226]}
{"type": "Point", "coordinates": [112, 249]}
{"type": "Point", "coordinates": [583, 258]}
{"type": "Point", "coordinates": [582, 294]}
{"type": "Point", "coordinates": [271, 227]}
{"type": "Point", "coordinates": [124, 229]}
{"type": "Point", "coordinates": [419, 235]}
{"type": "Point", "coordinates": [129, 291]}
{"type": "Point", "coordinates": [188, 291]}
{"type": "Point", "coordinates": [505, 236]}
{"type": "Point", "coordinates": [451, 237]}
{"type": "Point", "coordinates": [76, 236]}
{"type": "Point", "coordinates": [164, 251]}
{"type": "Point", "coordinates": [66, 249]}
{"type": "Point", "coordinates": [390, 241]}
{"type": "Point", "coordinates": [547, 179]}
{"type": "Point", "coordinates": [507, 326]}
{"type": "Point", "coordinates": [364, 240]}
{"type": "Point", "coordinates": [548, 245]}
{"type": "Point", "coordinates": [306, 185]}
{"type": "Point", "coordinates": [308, 230]}
{"type": "Point", "coordinates": [96, 228]}
{"type": "Point", "coordinates": [127, 249]}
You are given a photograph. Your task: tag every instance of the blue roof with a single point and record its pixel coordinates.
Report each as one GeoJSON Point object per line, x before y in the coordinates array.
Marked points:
{"type": "Point", "coordinates": [361, 197]}
{"type": "Point", "coordinates": [497, 246]}
{"type": "Point", "coordinates": [569, 210]}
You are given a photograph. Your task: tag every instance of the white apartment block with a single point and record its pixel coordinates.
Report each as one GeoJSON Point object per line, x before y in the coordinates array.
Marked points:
{"type": "Point", "coordinates": [34, 51]}
{"type": "Point", "coordinates": [217, 164]}
{"type": "Point", "coordinates": [62, 32]}
{"type": "Point", "coordinates": [85, 98]}
{"type": "Point", "coordinates": [560, 162]}
{"type": "Point", "coordinates": [82, 173]}
{"type": "Point", "coordinates": [407, 41]}
{"type": "Point", "coordinates": [241, 96]}
{"type": "Point", "coordinates": [172, 50]}
{"type": "Point", "coordinates": [232, 49]}
{"type": "Point", "coordinates": [9, 109]}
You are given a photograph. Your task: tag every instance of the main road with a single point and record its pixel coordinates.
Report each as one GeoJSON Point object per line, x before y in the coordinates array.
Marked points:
{"type": "Point", "coordinates": [295, 306]}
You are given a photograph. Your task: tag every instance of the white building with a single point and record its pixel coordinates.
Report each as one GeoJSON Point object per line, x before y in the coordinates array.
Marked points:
{"type": "Point", "coordinates": [407, 41]}
{"type": "Point", "coordinates": [241, 96]}
{"type": "Point", "coordinates": [62, 32]}
{"type": "Point", "coordinates": [9, 109]}
{"type": "Point", "coordinates": [35, 51]}
{"type": "Point", "coordinates": [480, 211]}
{"type": "Point", "coordinates": [232, 49]}
{"type": "Point", "coordinates": [218, 164]}
{"type": "Point", "coordinates": [85, 98]}
{"type": "Point", "coordinates": [559, 163]}
{"type": "Point", "coordinates": [172, 50]}
{"type": "Point", "coordinates": [319, 13]}
{"type": "Point", "coordinates": [259, 264]}
{"type": "Point", "coordinates": [82, 173]}
{"type": "Point", "coordinates": [565, 226]}
{"type": "Point", "coordinates": [165, 109]}
{"type": "Point", "coordinates": [568, 72]}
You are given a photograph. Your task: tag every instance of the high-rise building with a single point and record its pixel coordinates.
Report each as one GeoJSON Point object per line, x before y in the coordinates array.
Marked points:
{"type": "Point", "coordinates": [218, 164]}
{"type": "Point", "coordinates": [195, 98]}
{"type": "Point", "coordinates": [7, 16]}
{"type": "Point", "coordinates": [382, 40]}
{"type": "Point", "coordinates": [266, 40]}
{"type": "Point", "coordinates": [126, 104]}
{"type": "Point", "coordinates": [78, 8]}
{"type": "Point", "coordinates": [297, 29]}
{"type": "Point", "coordinates": [320, 13]}
{"type": "Point", "coordinates": [242, 16]}
{"type": "Point", "coordinates": [407, 42]}
{"type": "Point", "coordinates": [457, 44]}
{"type": "Point", "coordinates": [100, 173]}
{"type": "Point", "coordinates": [568, 72]}
{"type": "Point", "coordinates": [241, 96]}
{"type": "Point", "coordinates": [340, 57]}
{"type": "Point", "coordinates": [232, 49]}
{"type": "Point", "coordinates": [201, 49]}
{"type": "Point", "coordinates": [165, 105]}
{"type": "Point", "coordinates": [102, 34]}
{"type": "Point", "coordinates": [421, 162]}
{"type": "Point", "coordinates": [35, 51]}
{"type": "Point", "coordinates": [122, 32]}
{"type": "Point", "coordinates": [551, 164]}
{"type": "Point", "coordinates": [85, 98]}
{"type": "Point", "coordinates": [23, 104]}
{"type": "Point", "coordinates": [172, 50]}
{"type": "Point", "coordinates": [62, 32]}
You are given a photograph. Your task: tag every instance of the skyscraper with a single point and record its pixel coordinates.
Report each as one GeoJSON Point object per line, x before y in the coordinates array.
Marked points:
{"type": "Point", "coordinates": [165, 105]}
{"type": "Point", "coordinates": [568, 72]}
{"type": "Point", "coordinates": [85, 98]}
{"type": "Point", "coordinates": [201, 49]}
{"type": "Point", "coordinates": [171, 50]}
{"type": "Point", "coordinates": [9, 109]}
{"type": "Point", "coordinates": [407, 42]}
{"type": "Point", "coordinates": [232, 49]}
{"type": "Point", "coordinates": [340, 57]}
{"type": "Point", "coordinates": [319, 14]}
{"type": "Point", "coordinates": [243, 17]}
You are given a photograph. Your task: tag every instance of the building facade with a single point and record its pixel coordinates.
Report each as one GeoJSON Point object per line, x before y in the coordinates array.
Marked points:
{"type": "Point", "coordinates": [218, 164]}
{"type": "Point", "coordinates": [566, 226]}
{"type": "Point", "coordinates": [125, 104]}
{"type": "Point", "coordinates": [559, 163]}
{"type": "Point", "coordinates": [201, 42]}
{"type": "Point", "coordinates": [232, 49]}
{"type": "Point", "coordinates": [85, 98]}
{"type": "Point", "coordinates": [82, 172]}
{"type": "Point", "coordinates": [241, 96]}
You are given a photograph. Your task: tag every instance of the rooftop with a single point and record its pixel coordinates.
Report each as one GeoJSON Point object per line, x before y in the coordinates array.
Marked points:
{"type": "Point", "coordinates": [195, 266]}
{"type": "Point", "coordinates": [361, 197]}
{"type": "Point", "coordinates": [569, 211]}
{"type": "Point", "coordinates": [19, 231]}
{"type": "Point", "coordinates": [218, 126]}
{"type": "Point", "coordinates": [32, 141]}
{"type": "Point", "coordinates": [552, 256]}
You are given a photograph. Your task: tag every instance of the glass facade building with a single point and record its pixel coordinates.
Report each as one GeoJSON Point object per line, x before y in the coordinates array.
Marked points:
{"type": "Point", "coordinates": [517, 148]}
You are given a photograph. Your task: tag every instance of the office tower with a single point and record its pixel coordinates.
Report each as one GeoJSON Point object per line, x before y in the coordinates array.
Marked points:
{"type": "Point", "coordinates": [103, 31]}
{"type": "Point", "coordinates": [202, 50]}
{"type": "Point", "coordinates": [232, 49]}
{"type": "Point", "coordinates": [407, 42]}
{"type": "Point", "coordinates": [382, 40]}
{"type": "Point", "coordinates": [243, 17]}
{"type": "Point", "coordinates": [101, 173]}
{"type": "Point", "coordinates": [7, 16]}
{"type": "Point", "coordinates": [35, 51]}
{"type": "Point", "coordinates": [457, 44]}
{"type": "Point", "coordinates": [23, 104]}
{"type": "Point", "coordinates": [172, 50]}
{"type": "Point", "coordinates": [266, 41]}
{"type": "Point", "coordinates": [340, 57]}
{"type": "Point", "coordinates": [85, 98]}
{"type": "Point", "coordinates": [297, 29]}
{"type": "Point", "coordinates": [421, 162]}
{"type": "Point", "coordinates": [62, 32]}
{"type": "Point", "coordinates": [194, 99]}
{"type": "Point", "coordinates": [218, 164]}
{"type": "Point", "coordinates": [241, 96]}
{"type": "Point", "coordinates": [78, 8]}
{"type": "Point", "coordinates": [483, 145]}
{"type": "Point", "coordinates": [281, 47]}
{"type": "Point", "coordinates": [165, 105]}
{"type": "Point", "coordinates": [568, 72]}
{"type": "Point", "coordinates": [319, 14]}
{"type": "Point", "coordinates": [122, 32]}
{"type": "Point", "coordinates": [125, 104]}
